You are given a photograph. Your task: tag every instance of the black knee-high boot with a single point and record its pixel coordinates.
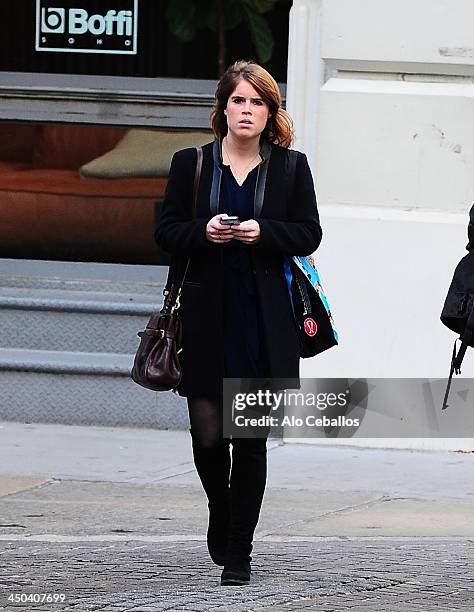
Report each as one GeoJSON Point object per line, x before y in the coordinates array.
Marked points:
{"type": "Point", "coordinates": [213, 467]}
{"type": "Point", "coordinates": [247, 488]}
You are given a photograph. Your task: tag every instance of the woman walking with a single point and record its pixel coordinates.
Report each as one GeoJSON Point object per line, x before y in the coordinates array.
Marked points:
{"type": "Point", "coordinates": [235, 308]}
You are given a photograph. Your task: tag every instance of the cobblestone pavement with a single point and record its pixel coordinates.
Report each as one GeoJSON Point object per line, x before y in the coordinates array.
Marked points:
{"type": "Point", "coordinates": [116, 519]}
{"type": "Point", "coordinates": [324, 574]}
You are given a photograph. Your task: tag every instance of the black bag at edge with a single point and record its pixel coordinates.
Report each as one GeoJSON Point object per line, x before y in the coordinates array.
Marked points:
{"type": "Point", "coordinates": [458, 310]}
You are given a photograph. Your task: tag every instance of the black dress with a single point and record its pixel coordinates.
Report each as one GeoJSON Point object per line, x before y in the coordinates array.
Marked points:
{"type": "Point", "coordinates": [244, 352]}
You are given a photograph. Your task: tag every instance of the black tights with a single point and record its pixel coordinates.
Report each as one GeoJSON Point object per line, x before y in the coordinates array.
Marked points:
{"type": "Point", "coordinates": [205, 417]}
{"type": "Point", "coordinates": [242, 488]}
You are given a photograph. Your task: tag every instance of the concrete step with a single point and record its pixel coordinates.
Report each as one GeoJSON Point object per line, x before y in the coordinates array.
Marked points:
{"type": "Point", "coordinates": [69, 335]}
{"type": "Point", "coordinates": [65, 306]}
{"type": "Point", "coordinates": [81, 388]}
{"type": "Point", "coordinates": [62, 362]}
{"type": "Point", "coordinates": [66, 320]}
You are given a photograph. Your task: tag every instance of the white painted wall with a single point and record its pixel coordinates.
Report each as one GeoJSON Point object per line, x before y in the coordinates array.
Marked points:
{"type": "Point", "coordinates": [386, 274]}
{"type": "Point", "coordinates": [394, 174]}
{"type": "Point", "coordinates": [421, 36]}
{"type": "Point", "coordinates": [396, 144]}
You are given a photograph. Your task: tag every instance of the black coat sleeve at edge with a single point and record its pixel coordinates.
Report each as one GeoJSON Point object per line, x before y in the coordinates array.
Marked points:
{"type": "Point", "coordinates": [176, 231]}
{"type": "Point", "coordinates": [470, 230]}
{"type": "Point", "coordinates": [302, 233]}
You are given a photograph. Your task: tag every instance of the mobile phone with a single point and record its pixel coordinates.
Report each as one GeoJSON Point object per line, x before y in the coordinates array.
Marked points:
{"type": "Point", "coordinates": [230, 220]}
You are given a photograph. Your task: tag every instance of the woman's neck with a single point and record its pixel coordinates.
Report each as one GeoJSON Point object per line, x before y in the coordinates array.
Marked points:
{"type": "Point", "coordinates": [243, 149]}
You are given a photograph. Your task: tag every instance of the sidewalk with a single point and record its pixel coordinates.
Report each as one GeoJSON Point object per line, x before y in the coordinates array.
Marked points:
{"type": "Point", "coordinates": [116, 519]}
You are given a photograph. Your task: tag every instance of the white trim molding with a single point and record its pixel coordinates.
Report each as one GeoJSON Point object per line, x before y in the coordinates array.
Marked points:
{"type": "Point", "coordinates": [305, 74]}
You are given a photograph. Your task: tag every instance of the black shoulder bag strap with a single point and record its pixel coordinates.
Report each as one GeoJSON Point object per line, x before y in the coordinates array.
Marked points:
{"type": "Point", "coordinates": [456, 360]}
{"type": "Point", "coordinates": [299, 277]}
{"type": "Point", "coordinates": [172, 294]}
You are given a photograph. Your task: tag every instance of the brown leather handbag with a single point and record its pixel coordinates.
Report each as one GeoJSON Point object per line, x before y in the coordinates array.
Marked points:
{"type": "Point", "coordinates": [156, 365]}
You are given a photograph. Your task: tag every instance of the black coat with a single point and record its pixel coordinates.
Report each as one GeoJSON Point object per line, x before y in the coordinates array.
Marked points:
{"type": "Point", "coordinates": [289, 225]}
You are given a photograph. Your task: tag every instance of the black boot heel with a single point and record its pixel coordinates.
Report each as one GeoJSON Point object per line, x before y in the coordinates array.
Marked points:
{"type": "Point", "coordinates": [236, 573]}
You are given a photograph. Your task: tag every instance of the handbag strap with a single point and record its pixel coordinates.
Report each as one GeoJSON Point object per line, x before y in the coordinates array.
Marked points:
{"type": "Point", "coordinates": [197, 177]}
{"type": "Point", "coordinates": [172, 295]}
{"type": "Point", "coordinates": [292, 269]}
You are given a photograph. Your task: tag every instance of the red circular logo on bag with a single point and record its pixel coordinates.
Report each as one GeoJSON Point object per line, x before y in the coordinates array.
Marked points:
{"type": "Point", "coordinates": [310, 326]}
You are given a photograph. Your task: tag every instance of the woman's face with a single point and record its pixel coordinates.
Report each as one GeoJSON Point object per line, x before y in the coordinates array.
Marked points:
{"type": "Point", "coordinates": [246, 104]}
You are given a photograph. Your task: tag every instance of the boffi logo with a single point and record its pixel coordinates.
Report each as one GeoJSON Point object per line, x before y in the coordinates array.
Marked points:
{"type": "Point", "coordinates": [53, 20]}
{"type": "Point", "coordinates": [81, 26]}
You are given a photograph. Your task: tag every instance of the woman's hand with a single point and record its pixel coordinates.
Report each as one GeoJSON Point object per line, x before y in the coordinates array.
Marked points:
{"type": "Point", "coordinates": [217, 232]}
{"type": "Point", "coordinates": [247, 231]}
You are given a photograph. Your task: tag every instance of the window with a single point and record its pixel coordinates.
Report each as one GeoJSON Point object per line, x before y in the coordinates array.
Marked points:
{"type": "Point", "coordinates": [57, 205]}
